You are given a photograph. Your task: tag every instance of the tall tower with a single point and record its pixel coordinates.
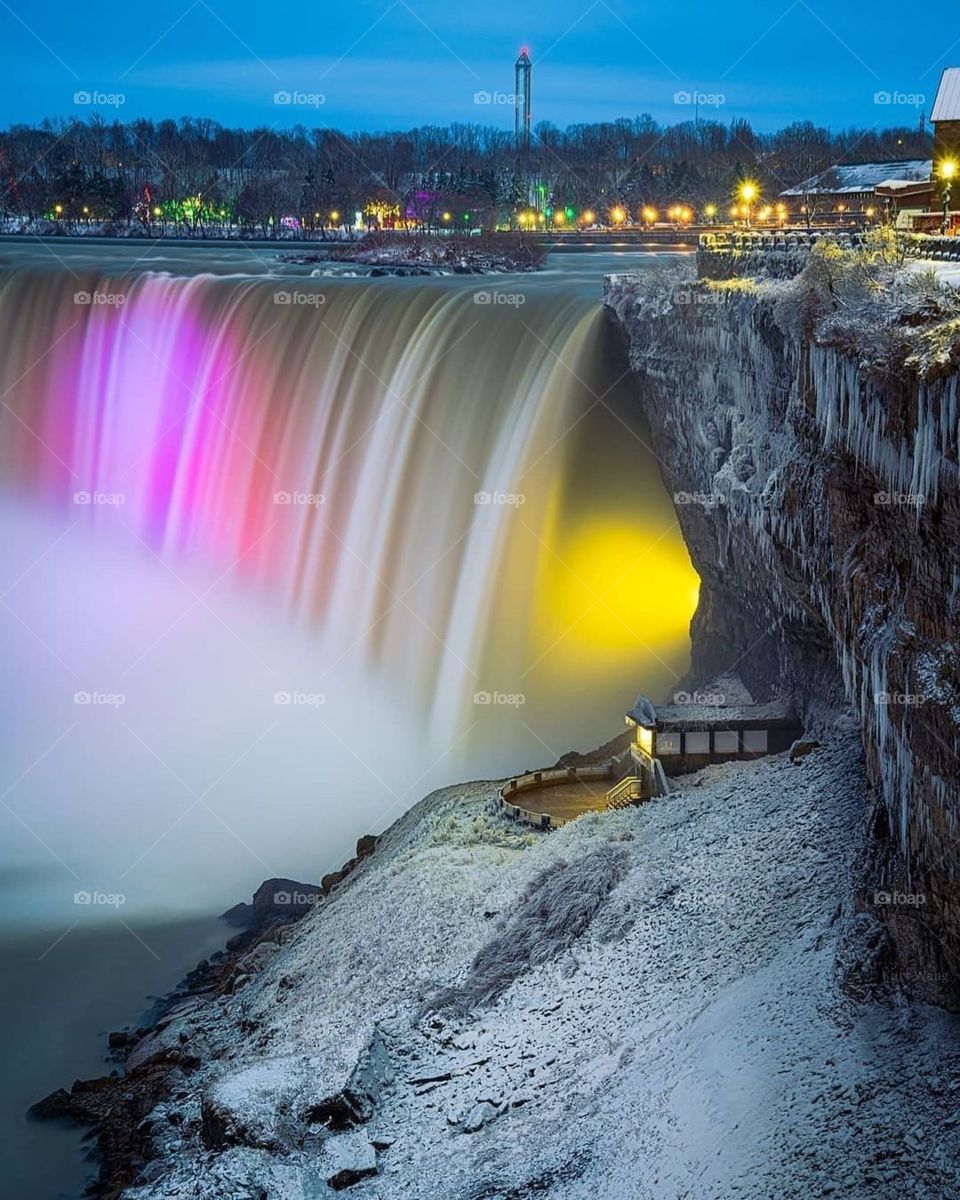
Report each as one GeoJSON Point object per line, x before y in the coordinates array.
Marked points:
{"type": "Point", "coordinates": [521, 100]}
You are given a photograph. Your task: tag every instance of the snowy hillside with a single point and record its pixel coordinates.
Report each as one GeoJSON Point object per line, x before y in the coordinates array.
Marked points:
{"type": "Point", "coordinates": [640, 1005]}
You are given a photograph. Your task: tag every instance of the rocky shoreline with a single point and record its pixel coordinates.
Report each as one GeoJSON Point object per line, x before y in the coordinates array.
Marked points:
{"type": "Point", "coordinates": [115, 1106]}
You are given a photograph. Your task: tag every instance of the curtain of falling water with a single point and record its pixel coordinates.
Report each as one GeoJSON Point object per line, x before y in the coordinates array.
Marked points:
{"type": "Point", "coordinates": [430, 482]}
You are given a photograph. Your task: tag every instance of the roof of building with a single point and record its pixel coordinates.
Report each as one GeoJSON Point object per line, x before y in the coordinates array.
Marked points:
{"type": "Point", "coordinates": [724, 703]}
{"type": "Point", "coordinates": [724, 716]}
{"type": "Point", "coordinates": [946, 107]}
{"type": "Point", "coordinates": [862, 177]}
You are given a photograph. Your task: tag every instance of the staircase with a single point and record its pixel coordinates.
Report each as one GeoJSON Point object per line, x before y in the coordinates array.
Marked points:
{"type": "Point", "coordinates": [628, 791]}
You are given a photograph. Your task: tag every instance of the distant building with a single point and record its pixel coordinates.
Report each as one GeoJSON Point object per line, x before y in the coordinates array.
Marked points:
{"type": "Point", "coordinates": [855, 187]}
{"type": "Point", "coordinates": [521, 100]}
{"type": "Point", "coordinates": [946, 116]}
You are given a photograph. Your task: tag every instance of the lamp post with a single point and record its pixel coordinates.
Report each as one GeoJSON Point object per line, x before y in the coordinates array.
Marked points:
{"type": "Point", "coordinates": [948, 169]}
{"type": "Point", "coordinates": [748, 192]}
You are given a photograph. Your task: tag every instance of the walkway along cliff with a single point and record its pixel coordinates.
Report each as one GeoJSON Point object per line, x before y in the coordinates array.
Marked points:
{"type": "Point", "coordinates": [807, 428]}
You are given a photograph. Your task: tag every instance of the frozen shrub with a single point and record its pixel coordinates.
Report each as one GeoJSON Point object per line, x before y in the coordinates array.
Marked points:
{"type": "Point", "coordinates": [555, 909]}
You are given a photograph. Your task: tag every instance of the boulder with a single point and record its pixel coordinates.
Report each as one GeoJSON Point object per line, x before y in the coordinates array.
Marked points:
{"type": "Point", "coordinates": [347, 1159]}
{"type": "Point", "coordinates": [801, 748]}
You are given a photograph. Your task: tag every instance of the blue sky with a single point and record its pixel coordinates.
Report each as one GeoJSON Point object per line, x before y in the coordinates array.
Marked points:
{"type": "Point", "coordinates": [387, 64]}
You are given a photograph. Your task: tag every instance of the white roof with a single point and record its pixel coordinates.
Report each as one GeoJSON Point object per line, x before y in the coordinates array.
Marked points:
{"type": "Point", "coordinates": [946, 107]}
{"type": "Point", "coordinates": [863, 177]}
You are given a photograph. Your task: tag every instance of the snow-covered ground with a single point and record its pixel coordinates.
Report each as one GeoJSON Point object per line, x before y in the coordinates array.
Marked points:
{"type": "Point", "coordinates": [690, 1040]}
{"type": "Point", "coordinates": [947, 272]}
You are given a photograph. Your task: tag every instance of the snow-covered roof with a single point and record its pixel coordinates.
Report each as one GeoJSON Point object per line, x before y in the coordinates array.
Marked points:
{"type": "Point", "coordinates": [685, 716]}
{"type": "Point", "coordinates": [946, 107]}
{"type": "Point", "coordinates": [863, 177]}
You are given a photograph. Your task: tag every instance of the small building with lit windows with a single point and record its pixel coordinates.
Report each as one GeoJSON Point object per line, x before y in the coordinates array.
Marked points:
{"type": "Point", "coordinates": [687, 736]}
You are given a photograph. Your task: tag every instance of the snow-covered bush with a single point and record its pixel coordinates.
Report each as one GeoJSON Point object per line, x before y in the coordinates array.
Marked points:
{"type": "Point", "coordinates": [555, 909]}
{"type": "Point", "coordinates": [865, 304]}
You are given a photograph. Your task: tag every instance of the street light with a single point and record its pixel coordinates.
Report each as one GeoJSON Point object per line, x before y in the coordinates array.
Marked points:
{"type": "Point", "coordinates": [748, 192]}
{"type": "Point", "coordinates": [710, 212]}
{"type": "Point", "coordinates": [618, 215]}
{"type": "Point", "coordinates": [948, 170]}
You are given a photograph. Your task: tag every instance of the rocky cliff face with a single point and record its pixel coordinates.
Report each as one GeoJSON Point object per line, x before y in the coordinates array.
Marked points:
{"type": "Point", "coordinates": [816, 484]}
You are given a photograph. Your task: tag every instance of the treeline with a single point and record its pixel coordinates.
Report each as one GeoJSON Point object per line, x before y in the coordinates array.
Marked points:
{"type": "Point", "coordinates": [195, 170]}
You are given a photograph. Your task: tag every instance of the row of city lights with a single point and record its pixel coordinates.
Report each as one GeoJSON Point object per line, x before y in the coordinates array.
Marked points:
{"type": "Point", "coordinates": [748, 196]}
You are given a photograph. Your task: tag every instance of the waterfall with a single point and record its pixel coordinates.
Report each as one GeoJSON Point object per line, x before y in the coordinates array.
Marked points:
{"type": "Point", "coordinates": [394, 464]}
